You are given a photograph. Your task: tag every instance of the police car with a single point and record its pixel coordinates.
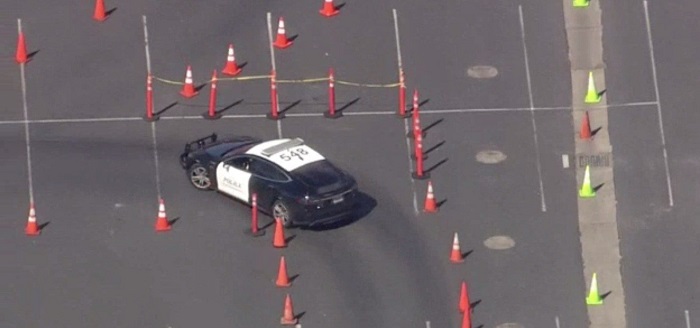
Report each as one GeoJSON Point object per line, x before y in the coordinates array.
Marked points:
{"type": "Point", "coordinates": [291, 180]}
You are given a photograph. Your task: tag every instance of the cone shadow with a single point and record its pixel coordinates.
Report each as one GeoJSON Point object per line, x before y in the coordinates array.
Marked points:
{"type": "Point", "coordinates": [43, 225]}
{"type": "Point", "coordinates": [31, 55]}
{"type": "Point", "coordinates": [200, 87]}
{"type": "Point", "coordinates": [348, 104]}
{"type": "Point", "coordinates": [284, 110]}
{"type": "Point", "coordinates": [158, 113]}
{"type": "Point", "coordinates": [340, 6]}
{"type": "Point", "coordinates": [234, 104]}
{"type": "Point", "coordinates": [293, 37]}
{"type": "Point", "coordinates": [602, 92]}
{"type": "Point", "coordinates": [440, 203]}
{"type": "Point", "coordinates": [243, 64]}
{"type": "Point", "coordinates": [598, 187]}
{"type": "Point", "coordinates": [593, 133]}
{"type": "Point", "coordinates": [603, 296]}
{"type": "Point", "coordinates": [267, 225]}
{"type": "Point", "coordinates": [431, 149]}
{"type": "Point", "coordinates": [438, 164]}
{"type": "Point", "coordinates": [109, 13]}
{"type": "Point", "coordinates": [298, 316]}
{"type": "Point", "coordinates": [474, 304]}
{"type": "Point", "coordinates": [293, 278]}
{"type": "Point", "coordinates": [467, 253]}
{"type": "Point", "coordinates": [431, 125]}
{"type": "Point", "coordinates": [172, 222]}
{"type": "Point", "coordinates": [290, 238]}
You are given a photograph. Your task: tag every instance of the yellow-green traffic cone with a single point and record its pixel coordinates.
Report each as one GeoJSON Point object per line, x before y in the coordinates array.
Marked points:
{"type": "Point", "coordinates": [593, 296]}
{"type": "Point", "coordinates": [581, 3]}
{"type": "Point", "coordinates": [592, 96]}
{"type": "Point", "coordinates": [586, 188]}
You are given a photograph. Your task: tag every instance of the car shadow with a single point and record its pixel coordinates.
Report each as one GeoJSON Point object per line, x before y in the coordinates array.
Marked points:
{"type": "Point", "coordinates": [365, 205]}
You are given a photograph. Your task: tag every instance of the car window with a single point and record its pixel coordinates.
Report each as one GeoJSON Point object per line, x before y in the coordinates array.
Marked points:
{"type": "Point", "coordinates": [267, 171]}
{"type": "Point", "coordinates": [241, 163]}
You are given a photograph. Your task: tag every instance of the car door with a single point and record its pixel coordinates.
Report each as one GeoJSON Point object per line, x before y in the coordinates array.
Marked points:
{"type": "Point", "coordinates": [268, 180]}
{"type": "Point", "coordinates": [233, 177]}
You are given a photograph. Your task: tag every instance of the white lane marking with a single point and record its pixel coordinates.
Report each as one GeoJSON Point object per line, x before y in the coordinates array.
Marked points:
{"type": "Point", "coordinates": [273, 62]}
{"type": "Point", "coordinates": [30, 178]}
{"type": "Point", "coordinates": [145, 42]}
{"type": "Point", "coordinates": [532, 110]}
{"type": "Point", "coordinates": [369, 113]}
{"type": "Point", "coordinates": [687, 319]}
{"type": "Point", "coordinates": [427, 324]}
{"type": "Point", "coordinates": [658, 104]}
{"type": "Point", "coordinates": [565, 161]}
{"type": "Point", "coordinates": [153, 124]}
{"type": "Point", "coordinates": [405, 122]}
{"type": "Point", "coordinates": [556, 321]}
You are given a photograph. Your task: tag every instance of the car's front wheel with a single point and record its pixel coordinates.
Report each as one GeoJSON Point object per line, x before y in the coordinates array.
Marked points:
{"type": "Point", "coordinates": [281, 211]}
{"type": "Point", "coordinates": [199, 177]}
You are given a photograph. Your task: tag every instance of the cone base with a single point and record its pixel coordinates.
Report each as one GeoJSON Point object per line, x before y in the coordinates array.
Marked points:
{"type": "Point", "coordinates": [586, 194]}
{"type": "Point", "coordinates": [329, 12]}
{"type": "Point", "coordinates": [279, 116]}
{"type": "Point", "coordinates": [579, 4]}
{"type": "Point", "coordinates": [252, 233]}
{"type": "Point", "coordinates": [100, 18]}
{"type": "Point", "coordinates": [32, 232]}
{"type": "Point", "coordinates": [289, 322]}
{"type": "Point", "coordinates": [282, 44]}
{"type": "Point", "coordinates": [457, 260]}
{"type": "Point", "coordinates": [153, 118]}
{"type": "Point", "coordinates": [327, 114]}
{"type": "Point", "coordinates": [425, 175]}
{"type": "Point", "coordinates": [209, 117]}
{"type": "Point", "coordinates": [590, 301]}
{"type": "Point", "coordinates": [231, 71]}
{"type": "Point", "coordinates": [282, 284]}
{"type": "Point", "coordinates": [404, 115]}
{"type": "Point", "coordinates": [188, 94]}
{"type": "Point", "coordinates": [592, 99]}
{"type": "Point", "coordinates": [430, 209]}
{"type": "Point", "coordinates": [277, 245]}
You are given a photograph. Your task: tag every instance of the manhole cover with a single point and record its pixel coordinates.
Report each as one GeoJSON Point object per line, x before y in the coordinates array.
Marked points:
{"type": "Point", "coordinates": [510, 325]}
{"type": "Point", "coordinates": [500, 243]}
{"type": "Point", "coordinates": [482, 72]}
{"type": "Point", "coordinates": [490, 156]}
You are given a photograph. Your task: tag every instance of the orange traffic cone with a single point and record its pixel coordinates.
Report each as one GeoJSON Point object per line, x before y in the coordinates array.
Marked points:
{"type": "Point", "coordinates": [464, 303]}
{"type": "Point", "coordinates": [282, 41]}
{"type": "Point", "coordinates": [467, 319]}
{"type": "Point", "coordinates": [456, 254]}
{"type": "Point", "coordinates": [99, 14]}
{"type": "Point", "coordinates": [188, 90]}
{"type": "Point", "coordinates": [282, 278]}
{"type": "Point", "coordinates": [430, 204]}
{"type": "Point", "coordinates": [279, 241]}
{"type": "Point", "coordinates": [329, 9]}
{"type": "Point", "coordinates": [288, 317]}
{"type": "Point", "coordinates": [162, 223]}
{"type": "Point", "coordinates": [585, 127]}
{"type": "Point", "coordinates": [231, 67]}
{"type": "Point", "coordinates": [32, 228]}
{"type": "Point", "coordinates": [21, 56]}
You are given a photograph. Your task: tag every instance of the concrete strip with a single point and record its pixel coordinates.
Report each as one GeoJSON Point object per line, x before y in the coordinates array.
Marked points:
{"type": "Point", "coordinates": [597, 216]}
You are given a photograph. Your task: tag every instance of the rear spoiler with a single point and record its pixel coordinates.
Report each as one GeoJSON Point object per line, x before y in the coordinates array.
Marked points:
{"type": "Point", "coordinates": [199, 143]}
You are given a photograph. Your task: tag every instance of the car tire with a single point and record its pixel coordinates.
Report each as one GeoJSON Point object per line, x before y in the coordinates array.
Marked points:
{"type": "Point", "coordinates": [199, 177]}
{"type": "Point", "coordinates": [281, 210]}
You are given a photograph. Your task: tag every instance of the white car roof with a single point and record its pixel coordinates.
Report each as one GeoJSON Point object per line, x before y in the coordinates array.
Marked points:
{"type": "Point", "coordinates": [290, 154]}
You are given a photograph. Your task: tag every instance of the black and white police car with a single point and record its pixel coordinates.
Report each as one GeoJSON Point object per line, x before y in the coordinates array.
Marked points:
{"type": "Point", "coordinates": [291, 180]}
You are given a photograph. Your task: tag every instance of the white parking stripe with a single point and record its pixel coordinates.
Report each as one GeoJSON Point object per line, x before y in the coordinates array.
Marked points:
{"type": "Point", "coordinates": [658, 104]}
{"type": "Point", "coordinates": [532, 109]}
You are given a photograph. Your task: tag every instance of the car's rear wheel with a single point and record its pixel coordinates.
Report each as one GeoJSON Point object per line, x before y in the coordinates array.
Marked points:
{"type": "Point", "coordinates": [199, 177]}
{"type": "Point", "coordinates": [281, 211]}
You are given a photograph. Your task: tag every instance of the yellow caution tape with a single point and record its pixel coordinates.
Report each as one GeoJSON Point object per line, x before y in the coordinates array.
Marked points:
{"type": "Point", "coordinates": [391, 85]}
{"type": "Point", "coordinates": [244, 78]}
{"type": "Point", "coordinates": [321, 79]}
{"type": "Point", "coordinates": [168, 81]}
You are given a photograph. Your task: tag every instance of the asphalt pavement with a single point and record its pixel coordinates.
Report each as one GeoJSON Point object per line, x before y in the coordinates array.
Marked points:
{"type": "Point", "coordinates": [657, 240]}
{"type": "Point", "coordinates": [98, 261]}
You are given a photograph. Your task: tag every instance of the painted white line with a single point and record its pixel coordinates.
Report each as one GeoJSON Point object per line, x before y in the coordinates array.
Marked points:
{"type": "Point", "coordinates": [556, 321]}
{"type": "Point", "coordinates": [687, 319]}
{"type": "Point", "coordinates": [30, 178]}
{"type": "Point", "coordinates": [427, 324]}
{"type": "Point", "coordinates": [273, 62]}
{"type": "Point", "coordinates": [153, 124]}
{"type": "Point", "coordinates": [532, 110]}
{"type": "Point", "coordinates": [658, 104]}
{"type": "Point", "coordinates": [405, 122]}
{"type": "Point", "coordinates": [565, 161]}
{"type": "Point", "coordinates": [145, 42]}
